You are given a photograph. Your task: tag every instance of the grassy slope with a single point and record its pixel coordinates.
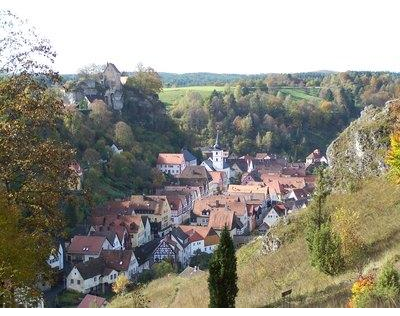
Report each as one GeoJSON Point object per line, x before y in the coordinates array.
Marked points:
{"type": "Point", "coordinates": [262, 278]}
{"type": "Point", "coordinates": [170, 95]}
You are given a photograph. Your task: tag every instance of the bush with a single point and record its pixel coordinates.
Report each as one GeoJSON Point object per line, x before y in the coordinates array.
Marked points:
{"type": "Point", "coordinates": [162, 268]}
{"type": "Point", "coordinates": [388, 283]}
{"type": "Point", "coordinates": [69, 299]}
{"type": "Point", "coordinates": [326, 255]}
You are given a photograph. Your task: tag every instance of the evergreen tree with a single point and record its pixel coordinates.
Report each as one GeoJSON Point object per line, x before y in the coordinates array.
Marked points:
{"type": "Point", "coordinates": [222, 281]}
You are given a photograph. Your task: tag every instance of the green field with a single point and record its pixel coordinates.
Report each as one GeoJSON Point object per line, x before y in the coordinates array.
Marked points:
{"type": "Point", "coordinates": [311, 94]}
{"type": "Point", "coordinates": [170, 95]}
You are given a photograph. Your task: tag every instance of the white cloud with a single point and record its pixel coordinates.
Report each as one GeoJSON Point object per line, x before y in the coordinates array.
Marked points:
{"type": "Point", "coordinates": [245, 36]}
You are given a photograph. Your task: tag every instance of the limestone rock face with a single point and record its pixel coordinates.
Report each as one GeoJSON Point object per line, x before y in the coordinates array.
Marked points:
{"type": "Point", "coordinates": [359, 151]}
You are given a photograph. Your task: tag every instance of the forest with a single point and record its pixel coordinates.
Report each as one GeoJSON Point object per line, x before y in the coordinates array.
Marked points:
{"type": "Point", "coordinates": [284, 113]}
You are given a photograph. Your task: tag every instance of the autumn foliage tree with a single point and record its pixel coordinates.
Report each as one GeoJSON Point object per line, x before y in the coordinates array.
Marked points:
{"type": "Point", "coordinates": [353, 247]}
{"type": "Point", "coordinates": [147, 80]}
{"type": "Point", "coordinates": [120, 284]}
{"type": "Point", "coordinates": [34, 171]}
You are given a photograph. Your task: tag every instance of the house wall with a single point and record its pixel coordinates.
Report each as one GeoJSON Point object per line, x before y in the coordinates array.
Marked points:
{"type": "Point", "coordinates": [271, 218]}
{"type": "Point", "coordinates": [171, 169]}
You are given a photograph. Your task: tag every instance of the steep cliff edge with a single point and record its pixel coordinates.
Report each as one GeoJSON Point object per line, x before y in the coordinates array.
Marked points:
{"type": "Point", "coordinates": [359, 151]}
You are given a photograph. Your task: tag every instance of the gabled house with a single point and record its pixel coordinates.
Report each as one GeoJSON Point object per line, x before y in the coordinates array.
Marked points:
{"type": "Point", "coordinates": [190, 159]}
{"type": "Point", "coordinates": [195, 176]}
{"type": "Point", "coordinates": [204, 208]}
{"type": "Point", "coordinates": [297, 194]}
{"type": "Point", "coordinates": [170, 163]}
{"type": "Point", "coordinates": [98, 274]}
{"type": "Point", "coordinates": [123, 261]}
{"type": "Point", "coordinates": [135, 230]}
{"type": "Point", "coordinates": [204, 239]}
{"type": "Point", "coordinates": [157, 209]}
{"type": "Point", "coordinates": [144, 255]}
{"type": "Point", "coordinates": [219, 182]}
{"type": "Point", "coordinates": [221, 218]}
{"type": "Point", "coordinates": [91, 276]}
{"type": "Point", "coordinates": [84, 248]}
{"type": "Point", "coordinates": [276, 212]}
{"type": "Point", "coordinates": [316, 157]}
{"type": "Point", "coordinates": [111, 236]}
{"type": "Point", "coordinates": [179, 208]}
{"type": "Point", "coordinates": [167, 249]}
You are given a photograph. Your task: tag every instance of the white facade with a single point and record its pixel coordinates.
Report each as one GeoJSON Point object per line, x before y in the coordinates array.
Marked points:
{"type": "Point", "coordinates": [56, 259]}
{"type": "Point", "coordinates": [173, 169]}
{"type": "Point", "coordinates": [272, 217]}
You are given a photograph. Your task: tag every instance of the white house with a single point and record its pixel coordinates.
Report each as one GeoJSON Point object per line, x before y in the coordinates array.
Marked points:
{"type": "Point", "coordinates": [56, 258]}
{"type": "Point", "coordinates": [276, 212]}
{"type": "Point", "coordinates": [172, 164]}
{"type": "Point", "coordinates": [97, 275]}
{"type": "Point", "coordinates": [115, 149]}
{"type": "Point", "coordinates": [316, 157]}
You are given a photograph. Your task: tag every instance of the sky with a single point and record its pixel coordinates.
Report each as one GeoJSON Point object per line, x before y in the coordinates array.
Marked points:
{"type": "Point", "coordinates": [247, 36]}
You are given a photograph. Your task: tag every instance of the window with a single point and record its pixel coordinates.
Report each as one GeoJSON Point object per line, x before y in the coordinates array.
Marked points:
{"type": "Point", "coordinates": [72, 281]}
{"type": "Point", "coordinates": [78, 282]}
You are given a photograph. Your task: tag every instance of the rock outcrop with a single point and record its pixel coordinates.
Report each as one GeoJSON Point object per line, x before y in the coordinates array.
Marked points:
{"type": "Point", "coordinates": [359, 151]}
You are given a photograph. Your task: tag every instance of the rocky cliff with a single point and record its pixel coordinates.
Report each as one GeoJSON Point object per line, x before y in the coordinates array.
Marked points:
{"type": "Point", "coordinates": [359, 151]}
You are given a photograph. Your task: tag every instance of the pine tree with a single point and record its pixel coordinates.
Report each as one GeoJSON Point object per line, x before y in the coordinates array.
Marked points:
{"type": "Point", "coordinates": [222, 280]}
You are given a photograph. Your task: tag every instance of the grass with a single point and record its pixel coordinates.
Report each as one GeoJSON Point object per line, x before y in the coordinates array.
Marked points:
{"type": "Point", "coordinates": [301, 94]}
{"type": "Point", "coordinates": [170, 95]}
{"type": "Point", "coordinates": [262, 278]}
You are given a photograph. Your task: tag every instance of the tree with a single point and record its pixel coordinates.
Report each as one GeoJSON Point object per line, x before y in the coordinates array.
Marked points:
{"type": "Point", "coordinates": [267, 141]}
{"type": "Point", "coordinates": [393, 157]}
{"type": "Point", "coordinates": [124, 135]}
{"type": "Point", "coordinates": [21, 47]}
{"type": "Point", "coordinates": [346, 223]}
{"type": "Point", "coordinates": [147, 80]}
{"type": "Point", "coordinates": [200, 259]}
{"type": "Point", "coordinates": [91, 71]}
{"type": "Point", "coordinates": [323, 244]}
{"type": "Point", "coordinates": [35, 170]}
{"type": "Point", "coordinates": [326, 255]}
{"type": "Point", "coordinates": [91, 156]}
{"type": "Point", "coordinates": [222, 280]}
{"type": "Point", "coordinates": [162, 269]}
{"type": "Point", "coordinates": [100, 114]}
{"type": "Point", "coordinates": [119, 287]}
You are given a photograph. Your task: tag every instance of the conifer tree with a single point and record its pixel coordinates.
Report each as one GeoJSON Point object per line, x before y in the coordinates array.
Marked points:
{"type": "Point", "coordinates": [222, 280]}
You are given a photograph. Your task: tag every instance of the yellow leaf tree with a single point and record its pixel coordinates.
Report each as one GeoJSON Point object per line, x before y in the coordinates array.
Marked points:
{"type": "Point", "coordinates": [346, 226]}
{"type": "Point", "coordinates": [120, 284]}
{"type": "Point", "coordinates": [393, 157]}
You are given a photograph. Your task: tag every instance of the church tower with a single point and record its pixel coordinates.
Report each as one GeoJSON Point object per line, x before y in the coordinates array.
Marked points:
{"type": "Point", "coordinates": [217, 155]}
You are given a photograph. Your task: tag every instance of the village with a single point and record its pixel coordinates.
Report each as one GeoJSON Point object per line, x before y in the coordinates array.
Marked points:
{"type": "Point", "coordinates": [247, 194]}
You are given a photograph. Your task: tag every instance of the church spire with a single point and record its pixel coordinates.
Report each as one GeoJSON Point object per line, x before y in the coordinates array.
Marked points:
{"type": "Point", "coordinates": [216, 145]}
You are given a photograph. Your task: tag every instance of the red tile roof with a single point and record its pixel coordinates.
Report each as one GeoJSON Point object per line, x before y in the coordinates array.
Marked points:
{"type": "Point", "coordinates": [92, 301]}
{"type": "Point", "coordinates": [88, 245]}
{"type": "Point", "coordinates": [170, 159]}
